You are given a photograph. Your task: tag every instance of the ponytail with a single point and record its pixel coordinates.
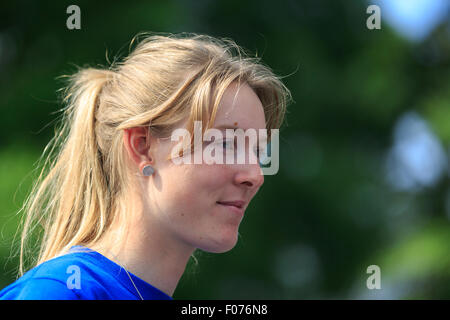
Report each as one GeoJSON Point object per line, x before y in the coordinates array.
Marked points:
{"type": "Point", "coordinates": [71, 203]}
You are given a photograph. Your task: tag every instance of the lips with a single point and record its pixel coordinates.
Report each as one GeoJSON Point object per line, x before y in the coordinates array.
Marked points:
{"type": "Point", "coordinates": [236, 207]}
{"type": "Point", "coordinates": [238, 203]}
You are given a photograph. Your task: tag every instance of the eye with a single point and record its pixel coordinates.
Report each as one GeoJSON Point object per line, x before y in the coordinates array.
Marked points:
{"type": "Point", "coordinates": [228, 144]}
{"type": "Point", "coordinates": [259, 151]}
{"type": "Point", "coordinates": [262, 155]}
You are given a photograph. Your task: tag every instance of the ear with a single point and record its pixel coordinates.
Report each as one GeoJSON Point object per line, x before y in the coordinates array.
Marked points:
{"type": "Point", "coordinates": [138, 146]}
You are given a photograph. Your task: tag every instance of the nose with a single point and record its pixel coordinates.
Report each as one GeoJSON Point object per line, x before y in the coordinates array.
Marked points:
{"type": "Point", "coordinates": [251, 176]}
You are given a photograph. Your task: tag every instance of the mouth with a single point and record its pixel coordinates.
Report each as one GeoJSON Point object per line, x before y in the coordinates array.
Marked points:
{"type": "Point", "coordinates": [235, 206]}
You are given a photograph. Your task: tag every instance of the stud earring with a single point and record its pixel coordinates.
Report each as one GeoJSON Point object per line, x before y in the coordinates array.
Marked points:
{"type": "Point", "coordinates": [148, 170]}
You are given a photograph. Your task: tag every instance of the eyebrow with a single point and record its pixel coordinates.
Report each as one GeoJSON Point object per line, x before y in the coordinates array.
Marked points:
{"type": "Point", "coordinates": [227, 126]}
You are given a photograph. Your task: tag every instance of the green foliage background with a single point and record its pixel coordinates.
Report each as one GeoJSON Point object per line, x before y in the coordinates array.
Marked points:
{"type": "Point", "coordinates": [315, 227]}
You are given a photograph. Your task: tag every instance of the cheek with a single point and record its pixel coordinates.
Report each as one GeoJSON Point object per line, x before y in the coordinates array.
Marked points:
{"type": "Point", "coordinates": [195, 187]}
{"type": "Point", "coordinates": [188, 202]}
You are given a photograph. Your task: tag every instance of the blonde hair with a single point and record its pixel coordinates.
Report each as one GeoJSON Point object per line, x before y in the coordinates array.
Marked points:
{"type": "Point", "coordinates": [164, 81]}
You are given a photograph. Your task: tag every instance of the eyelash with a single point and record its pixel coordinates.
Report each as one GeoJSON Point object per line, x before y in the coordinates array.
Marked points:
{"type": "Point", "coordinates": [227, 141]}
{"type": "Point", "coordinates": [258, 150]}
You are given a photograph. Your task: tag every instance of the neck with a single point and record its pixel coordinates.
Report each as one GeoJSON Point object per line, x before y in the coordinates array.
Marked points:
{"type": "Point", "coordinates": [150, 253]}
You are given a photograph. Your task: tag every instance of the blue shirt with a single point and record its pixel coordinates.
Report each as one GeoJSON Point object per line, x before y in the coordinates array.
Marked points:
{"type": "Point", "coordinates": [86, 275]}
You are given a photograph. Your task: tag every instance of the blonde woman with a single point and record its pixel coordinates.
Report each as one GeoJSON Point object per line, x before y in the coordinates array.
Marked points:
{"type": "Point", "coordinates": [118, 218]}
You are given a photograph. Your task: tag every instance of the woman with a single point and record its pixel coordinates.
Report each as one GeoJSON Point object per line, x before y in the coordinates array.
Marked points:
{"type": "Point", "coordinates": [120, 219]}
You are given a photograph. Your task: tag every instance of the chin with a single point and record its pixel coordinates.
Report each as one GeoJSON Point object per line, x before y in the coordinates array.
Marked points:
{"type": "Point", "coordinates": [224, 244]}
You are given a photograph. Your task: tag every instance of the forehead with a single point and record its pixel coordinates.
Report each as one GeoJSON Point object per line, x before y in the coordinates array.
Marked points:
{"type": "Point", "coordinates": [240, 107]}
